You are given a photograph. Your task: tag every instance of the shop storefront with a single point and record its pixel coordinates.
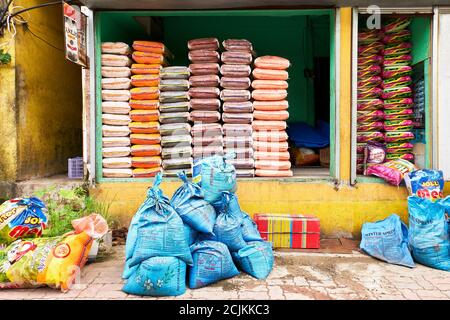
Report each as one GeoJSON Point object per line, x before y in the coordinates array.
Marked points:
{"type": "Point", "coordinates": [322, 46]}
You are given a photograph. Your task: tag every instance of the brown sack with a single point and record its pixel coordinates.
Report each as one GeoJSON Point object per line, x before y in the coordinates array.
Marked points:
{"type": "Point", "coordinates": [116, 72]}
{"type": "Point", "coordinates": [204, 56]}
{"type": "Point", "coordinates": [204, 92]}
{"type": "Point", "coordinates": [116, 48]}
{"type": "Point", "coordinates": [235, 83]}
{"type": "Point", "coordinates": [203, 44]}
{"type": "Point", "coordinates": [235, 70]}
{"type": "Point", "coordinates": [200, 69]}
{"type": "Point", "coordinates": [236, 57]}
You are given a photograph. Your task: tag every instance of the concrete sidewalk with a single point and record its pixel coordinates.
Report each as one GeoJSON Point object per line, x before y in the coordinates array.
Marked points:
{"type": "Point", "coordinates": [296, 275]}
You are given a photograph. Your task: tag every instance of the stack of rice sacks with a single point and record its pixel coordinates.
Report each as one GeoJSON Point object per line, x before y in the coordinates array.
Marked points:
{"type": "Point", "coordinates": [115, 107]}
{"type": "Point", "coordinates": [369, 105]}
{"type": "Point", "coordinates": [145, 136]}
{"type": "Point", "coordinates": [204, 94]}
{"type": "Point", "coordinates": [397, 92]}
{"type": "Point", "coordinates": [237, 108]}
{"type": "Point", "coordinates": [270, 114]}
{"type": "Point", "coordinates": [175, 129]}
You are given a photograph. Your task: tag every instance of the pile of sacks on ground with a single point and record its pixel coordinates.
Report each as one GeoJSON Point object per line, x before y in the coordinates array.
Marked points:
{"type": "Point", "coordinates": [426, 240]}
{"type": "Point", "coordinates": [199, 237]}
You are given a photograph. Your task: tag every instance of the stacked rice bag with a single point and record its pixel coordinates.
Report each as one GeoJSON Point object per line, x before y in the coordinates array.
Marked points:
{"type": "Point", "coordinates": [237, 108]}
{"type": "Point", "coordinates": [149, 57]}
{"type": "Point", "coordinates": [370, 113]}
{"type": "Point", "coordinates": [115, 109]}
{"type": "Point", "coordinates": [204, 94]}
{"type": "Point", "coordinates": [397, 92]}
{"type": "Point", "coordinates": [270, 114]}
{"type": "Point", "coordinates": [175, 129]}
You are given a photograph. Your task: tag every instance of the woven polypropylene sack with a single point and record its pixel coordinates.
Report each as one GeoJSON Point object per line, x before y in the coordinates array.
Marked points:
{"type": "Point", "coordinates": [249, 229]}
{"type": "Point", "coordinates": [387, 240]}
{"type": "Point", "coordinates": [428, 231]}
{"type": "Point", "coordinates": [212, 263]}
{"type": "Point", "coordinates": [155, 231]}
{"type": "Point", "coordinates": [189, 203]}
{"type": "Point", "coordinates": [191, 234]}
{"type": "Point", "coordinates": [158, 276]}
{"type": "Point", "coordinates": [255, 259]}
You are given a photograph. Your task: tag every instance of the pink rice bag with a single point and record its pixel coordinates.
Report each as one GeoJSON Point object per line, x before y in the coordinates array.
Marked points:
{"type": "Point", "coordinates": [392, 171]}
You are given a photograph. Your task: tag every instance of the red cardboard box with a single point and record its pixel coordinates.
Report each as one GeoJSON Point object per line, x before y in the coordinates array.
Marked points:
{"type": "Point", "coordinates": [294, 231]}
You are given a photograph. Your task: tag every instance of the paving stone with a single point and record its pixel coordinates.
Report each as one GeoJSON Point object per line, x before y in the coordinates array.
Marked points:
{"type": "Point", "coordinates": [253, 295]}
{"type": "Point", "coordinates": [297, 296]}
{"type": "Point", "coordinates": [430, 294]}
{"type": "Point", "coordinates": [390, 297]}
{"type": "Point", "coordinates": [410, 294]}
{"type": "Point", "coordinates": [344, 296]}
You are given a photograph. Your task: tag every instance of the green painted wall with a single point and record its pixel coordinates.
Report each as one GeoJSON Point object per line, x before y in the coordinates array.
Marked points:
{"type": "Point", "coordinates": [296, 37]}
{"type": "Point", "coordinates": [421, 38]}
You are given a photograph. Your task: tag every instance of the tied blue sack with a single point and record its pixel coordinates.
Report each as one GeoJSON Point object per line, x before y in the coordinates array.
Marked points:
{"type": "Point", "coordinates": [428, 232]}
{"type": "Point", "coordinates": [227, 228]}
{"type": "Point", "coordinates": [212, 263]}
{"type": "Point", "coordinates": [191, 234]}
{"type": "Point", "coordinates": [158, 276]}
{"type": "Point", "coordinates": [189, 203]}
{"type": "Point", "coordinates": [155, 231]}
{"type": "Point", "coordinates": [249, 229]}
{"type": "Point", "coordinates": [387, 240]}
{"type": "Point", "coordinates": [216, 176]}
{"type": "Point", "coordinates": [255, 259]}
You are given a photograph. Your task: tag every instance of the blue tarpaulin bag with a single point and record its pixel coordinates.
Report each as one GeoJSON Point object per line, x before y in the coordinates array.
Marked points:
{"type": "Point", "coordinates": [387, 240]}
{"type": "Point", "coordinates": [158, 276]}
{"type": "Point", "coordinates": [155, 231]}
{"type": "Point", "coordinates": [215, 175]}
{"type": "Point", "coordinates": [256, 259]}
{"type": "Point", "coordinates": [188, 201]}
{"type": "Point", "coordinates": [428, 231]}
{"type": "Point", "coordinates": [249, 229]}
{"type": "Point", "coordinates": [212, 263]}
{"type": "Point", "coordinates": [227, 228]}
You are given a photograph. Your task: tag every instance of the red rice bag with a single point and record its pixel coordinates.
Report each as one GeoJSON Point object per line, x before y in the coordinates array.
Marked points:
{"type": "Point", "coordinates": [369, 104]}
{"type": "Point", "coordinates": [398, 125]}
{"type": "Point", "coordinates": [235, 70]}
{"type": "Point", "coordinates": [148, 58]}
{"type": "Point", "coordinates": [235, 95]}
{"type": "Point", "coordinates": [204, 81]}
{"type": "Point", "coordinates": [204, 92]}
{"type": "Point", "coordinates": [397, 49]}
{"type": "Point", "coordinates": [374, 152]}
{"type": "Point", "coordinates": [392, 171]}
{"type": "Point", "coordinates": [370, 59]}
{"type": "Point", "coordinates": [369, 93]}
{"type": "Point", "coordinates": [204, 56]}
{"type": "Point", "coordinates": [243, 118]}
{"type": "Point", "coordinates": [398, 37]}
{"type": "Point", "coordinates": [372, 115]}
{"type": "Point", "coordinates": [236, 57]}
{"type": "Point", "coordinates": [396, 71]}
{"type": "Point", "coordinates": [398, 114]}
{"type": "Point", "coordinates": [370, 126]}
{"type": "Point", "coordinates": [203, 44]}
{"type": "Point", "coordinates": [139, 68]}
{"type": "Point", "coordinates": [397, 92]}
{"type": "Point", "coordinates": [205, 104]}
{"type": "Point", "coordinates": [371, 70]}
{"type": "Point", "coordinates": [369, 82]}
{"type": "Point", "coordinates": [369, 136]}
{"type": "Point", "coordinates": [397, 82]}
{"type": "Point", "coordinates": [369, 36]}
{"type": "Point", "coordinates": [404, 59]}
{"type": "Point", "coordinates": [205, 116]}
{"type": "Point", "coordinates": [235, 83]}
{"type": "Point", "coordinates": [370, 48]}
{"type": "Point", "coordinates": [237, 45]}
{"type": "Point", "coordinates": [238, 107]}
{"type": "Point", "coordinates": [201, 69]}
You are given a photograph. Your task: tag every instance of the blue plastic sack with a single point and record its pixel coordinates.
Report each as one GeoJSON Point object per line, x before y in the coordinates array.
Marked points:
{"type": "Point", "coordinates": [387, 240]}
{"type": "Point", "coordinates": [189, 203]}
{"type": "Point", "coordinates": [212, 263]}
{"type": "Point", "coordinates": [158, 276]}
{"type": "Point", "coordinates": [191, 234]}
{"type": "Point", "coordinates": [249, 229]}
{"type": "Point", "coordinates": [155, 231]}
{"type": "Point", "coordinates": [256, 259]}
{"type": "Point", "coordinates": [428, 232]}
{"type": "Point", "coordinates": [227, 228]}
{"type": "Point", "coordinates": [215, 175]}
{"type": "Point", "coordinates": [426, 183]}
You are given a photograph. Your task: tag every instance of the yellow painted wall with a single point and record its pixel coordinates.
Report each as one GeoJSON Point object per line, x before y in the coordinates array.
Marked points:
{"type": "Point", "coordinates": [49, 97]}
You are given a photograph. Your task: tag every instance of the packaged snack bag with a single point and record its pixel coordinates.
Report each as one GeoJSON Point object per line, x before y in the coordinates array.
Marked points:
{"type": "Point", "coordinates": [55, 262]}
{"type": "Point", "coordinates": [399, 147]}
{"type": "Point", "coordinates": [404, 156]}
{"type": "Point", "coordinates": [398, 125]}
{"type": "Point", "coordinates": [369, 93]}
{"type": "Point", "coordinates": [395, 104]}
{"type": "Point", "coordinates": [370, 126]}
{"type": "Point", "coordinates": [369, 104]}
{"type": "Point", "coordinates": [397, 25]}
{"type": "Point", "coordinates": [369, 36]}
{"type": "Point", "coordinates": [392, 171]}
{"type": "Point", "coordinates": [369, 136]}
{"type": "Point", "coordinates": [374, 152]}
{"type": "Point", "coordinates": [365, 61]}
{"type": "Point", "coordinates": [397, 82]}
{"type": "Point", "coordinates": [396, 49]}
{"type": "Point", "coordinates": [22, 218]}
{"type": "Point", "coordinates": [425, 183]}
{"type": "Point", "coordinates": [397, 92]}
{"type": "Point", "coordinates": [398, 60]}
{"type": "Point", "coordinates": [369, 82]}
{"type": "Point", "coordinates": [398, 136]}
{"type": "Point", "coordinates": [371, 70]}
{"type": "Point", "coordinates": [396, 71]}
{"type": "Point", "coordinates": [371, 115]}
{"type": "Point", "coordinates": [370, 48]}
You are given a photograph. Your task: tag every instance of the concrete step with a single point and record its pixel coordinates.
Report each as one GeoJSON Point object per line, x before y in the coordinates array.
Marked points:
{"type": "Point", "coordinates": [28, 187]}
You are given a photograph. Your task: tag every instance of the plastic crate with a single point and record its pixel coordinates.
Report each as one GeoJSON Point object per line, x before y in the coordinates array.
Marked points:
{"type": "Point", "coordinates": [75, 168]}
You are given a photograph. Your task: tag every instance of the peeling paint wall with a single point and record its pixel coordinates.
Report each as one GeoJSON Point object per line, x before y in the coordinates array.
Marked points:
{"type": "Point", "coordinates": [49, 100]}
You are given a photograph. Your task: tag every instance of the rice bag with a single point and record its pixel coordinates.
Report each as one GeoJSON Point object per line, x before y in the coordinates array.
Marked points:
{"type": "Point", "coordinates": [268, 125]}
{"type": "Point", "coordinates": [120, 162]}
{"type": "Point", "coordinates": [116, 107]}
{"type": "Point", "coordinates": [396, 71]}
{"type": "Point", "coordinates": [145, 93]}
{"type": "Point", "coordinates": [174, 85]}
{"type": "Point", "coordinates": [369, 36]}
{"type": "Point", "coordinates": [173, 96]}
{"type": "Point", "coordinates": [175, 72]}
{"type": "Point", "coordinates": [397, 37]}
{"type": "Point", "coordinates": [370, 48]}
{"type": "Point", "coordinates": [397, 25]}
{"type": "Point", "coordinates": [272, 62]}
{"type": "Point", "coordinates": [399, 103]}
{"type": "Point", "coordinates": [392, 171]}
{"type": "Point", "coordinates": [115, 119]}
{"type": "Point", "coordinates": [425, 183]}
{"type": "Point", "coordinates": [55, 262]}
{"type": "Point", "coordinates": [368, 93]}
{"type": "Point", "coordinates": [270, 74]}
{"type": "Point", "coordinates": [270, 84]}
{"type": "Point", "coordinates": [370, 126]}
{"type": "Point", "coordinates": [205, 104]}
{"type": "Point", "coordinates": [399, 60]}
{"type": "Point", "coordinates": [144, 127]}
{"type": "Point", "coordinates": [115, 131]}
{"type": "Point", "coordinates": [370, 59]}
{"type": "Point", "coordinates": [236, 57]}
{"type": "Point", "coordinates": [398, 125]}
{"type": "Point", "coordinates": [398, 136]}
{"type": "Point", "coordinates": [144, 115]}
{"type": "Point", "coordinates": [140, 68]}
{"type": "Point", "coordinates": [115, 60]}
{"type": "Point", "coordinates": [404, 156]}
{"type": "Point", "coordinates": [145, 80]}
{"type": "Point", "coordinates": [208, 140]}
{"type": "Point", "coordinates": [210, 129]}
{"type": "Point", "coordinates": [146, 162]}
{"type": "Point", "coordinates": [271, 115]}
{"type": "Point", "coordinates": [116, 83]}
{"type": "Point", "coordinates": [116, 95]}
{"type": "Point", "coordinates": [203, 44]}
{"type": "Point", "coordinates": [235, 70]}
{"type": "Point", "coordinates": [204, 56]}
{"type": "Point", "coordinates": [204, 92]}
{"type": "Point", "coordinates": [145, 150]}
{"type": "Point", "coordinates": [148, 58]}
{"type": "Point", "coordinates": [237, 45]}
{"type": "Point", "coordinates": [200, 152]}
{"type": "Point", "coordinates": [177, 163]}
{"type": "Point", "coordinates": [397, 82]}
{"type": "Point", "coordinates": [369, 104]}
{"type": "Point", "coordinates": [397, 49]}
{"type": "Point", "coordinates": [144, 104]}
{"type": "Point", "coordinates": [237, 142]}
{"type": "Point", "coordinates": [235, 95]}
{"type": "Point", "coordinates": [370, 70]}
{"type": "Point", "coordinates": [117, 172]}
{"type": "Point", "coordinates": [235, 83]}
{"type": "Point", "coordinates": [271, 136]}
{"type": "Point", "coordinates": [241, 153]}
{"type": "Point", "coordinates": [269, 95]}
{"type": "Point", "coordinates": [369, 136]}
{"type": "Point", "coordinates": [120, 48]}
{"type": "Point", "coordinates": [371, 115]}
{"type": "Point", "coordinates": [205, 116]}
{"type": "Point", "coordinates": [115, 142]}
{"type": "Point", "coordinates": [145, 138]}
{"type": "Point", "coordinates": [237, 107]}
{"type": "Point", "coordinates": [374, 153]}
{"type": "Point", "coordinates": [146, 172]}
{"type": "Point", "coordinates": [230, 129]}
{"type": "Point", "coordinates": [204, 81]}
{"type": "Point", "coordinates": [369, 82]}
{"type": "Point", "coordinates": [273, 164]}
{"type": "Point", "coordinates": [399, 147]}
{"type": "Point", "coordinates": [396, 92]}
{"type": "Point", "coordinates": [237, 118]}
{"type": "Point", "coordinates": [114, 152]}
{"type": "Point", "coordinates": [245, 173]}
{"type": "Point", "coordinates": [200, 69]}
{"type": "Point", "coordinates": [116, 72]}
{"type": "Point", "coordinates": [176, 152]}
{"type": "Point", "coordinates": [152, 47]}
{"type": "Point", "coordinates": [176, 141]}
{"type": "Point", "coordinates": [182, 106]}
{"type": "Point", "coordinates": [242, 163]}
